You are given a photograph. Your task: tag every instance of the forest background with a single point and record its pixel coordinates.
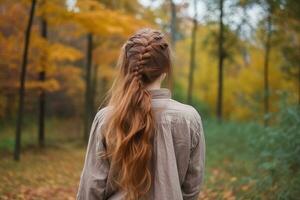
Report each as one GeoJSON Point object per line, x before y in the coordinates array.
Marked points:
{"type": "Point", "coordinates": [236, 61]}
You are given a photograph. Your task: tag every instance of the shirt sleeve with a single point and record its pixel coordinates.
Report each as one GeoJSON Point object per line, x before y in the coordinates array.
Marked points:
{"type": "Point", "coordinates": [195, 173]}
{"type": "Point", "coordinates": [95, 171]}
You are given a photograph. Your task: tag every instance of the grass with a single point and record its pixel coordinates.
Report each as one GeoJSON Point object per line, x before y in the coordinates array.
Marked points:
{"type": "Point", "coordinates": [230, 161]}
{"type": "Point", "coordinates": [53, 173]}
{"type": "Point", "coordinates": [57, 131]}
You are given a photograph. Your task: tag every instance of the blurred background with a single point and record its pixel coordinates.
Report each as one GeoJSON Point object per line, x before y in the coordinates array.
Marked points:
{"type": "Point", "coordinates": [236, 61]}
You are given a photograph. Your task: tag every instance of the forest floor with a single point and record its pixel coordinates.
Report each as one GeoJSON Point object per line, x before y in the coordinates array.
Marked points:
{"type": "Point", "coordinates": [48, 174]}
{"type": "Point", "coordinates": [53, 173]}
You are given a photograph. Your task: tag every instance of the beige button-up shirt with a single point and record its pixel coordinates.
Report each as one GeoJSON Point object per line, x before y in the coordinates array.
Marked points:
{"type": "Point", "coordinates": [178, 154]}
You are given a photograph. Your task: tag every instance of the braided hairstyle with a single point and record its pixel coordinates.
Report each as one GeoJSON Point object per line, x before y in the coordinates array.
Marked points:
{"type": "Point", "coordinates": [131, 124]}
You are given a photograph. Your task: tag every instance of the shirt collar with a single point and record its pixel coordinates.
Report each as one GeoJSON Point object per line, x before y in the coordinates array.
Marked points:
{"type": "Point", "coordinates": [161, 93]}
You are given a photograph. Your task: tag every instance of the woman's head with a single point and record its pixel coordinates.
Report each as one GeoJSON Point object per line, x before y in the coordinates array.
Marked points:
{"type": "Point", "coordinates": [146, 55]}
{"type": "Point", "coordinates": [144, 59]}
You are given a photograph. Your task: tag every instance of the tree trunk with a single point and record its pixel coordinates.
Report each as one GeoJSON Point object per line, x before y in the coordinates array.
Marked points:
{"type": "Point", "coordinates": [266, 68]}
{"type": "Point", "coordinates": [220, 66]}
{"type": "Point", "coordinates": [173, 28]}
{"type": "Point", "coordinates": [299, 86]}
{"type": "Point", "coordinates": [42, 95]}
{"type": "Point", "coordinates": [22, 83]}
{"type": "Point", "coordinates": [173, 24]}
{"type": "Point", "coordinates": [94, 88]}
{"type": "Point", "coordinates": [193, 54]}
{"type": "Point", "coordinates": [88, 106]}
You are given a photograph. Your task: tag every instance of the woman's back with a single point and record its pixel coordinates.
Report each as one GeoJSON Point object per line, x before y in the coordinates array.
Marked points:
{"type": "Point", "coordinates": [178, 156]}
{"type": "Point", "coordinates": [143, 144]}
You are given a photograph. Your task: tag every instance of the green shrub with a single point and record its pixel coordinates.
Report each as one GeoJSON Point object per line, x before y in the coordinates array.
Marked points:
{"type": "Point", "coordinates": [278, 175]}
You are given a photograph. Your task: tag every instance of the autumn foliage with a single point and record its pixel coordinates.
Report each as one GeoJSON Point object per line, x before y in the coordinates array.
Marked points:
{"type": "Point", "coordinates": [72, 55]}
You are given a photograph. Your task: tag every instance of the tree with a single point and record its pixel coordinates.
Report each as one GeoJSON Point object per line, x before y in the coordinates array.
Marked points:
{"type": "Point", "coordinates": [270, 6]}
{"type": "Point", "coordinates": [192, 54]}
{"type": "Point", "coordinates": [221, 61]}
{"type": "Point", "coordinates": [266, 64]}
{"type": "Point", "coordinates": [88, 87]}
{"type": "Point", "coordinates": [289, 24]}
{"type": "Point", "coordinates": [22, 83]}
{"type": "Point", "coordinates": [42, 94]}
{"type": "Point", "coordinates": [94, 84]}
{"type": "Point", "coordinates": [173, 23]}
{"type": "Point", "coordinates": [173, 32]}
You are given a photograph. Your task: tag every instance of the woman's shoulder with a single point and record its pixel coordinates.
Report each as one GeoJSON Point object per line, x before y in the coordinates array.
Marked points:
{"type": "Point", "coordinates": [186, 112]}
{"type": "Point", "coordinates": [102, 113]}
{"type": "Point", "coordinates": [103, 110]}
{"type": "Point", "coordinates": [184, 116]}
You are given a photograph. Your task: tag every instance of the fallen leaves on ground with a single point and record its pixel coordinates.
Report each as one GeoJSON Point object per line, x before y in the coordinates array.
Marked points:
{"type": "Point", "coordinates": [49, 174]}
{"type": "Point", "coordinates": [54, 173]}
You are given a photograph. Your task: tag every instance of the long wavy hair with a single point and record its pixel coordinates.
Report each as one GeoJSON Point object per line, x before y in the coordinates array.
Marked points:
{"type": "Point", "coordinates": [131, 125]}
